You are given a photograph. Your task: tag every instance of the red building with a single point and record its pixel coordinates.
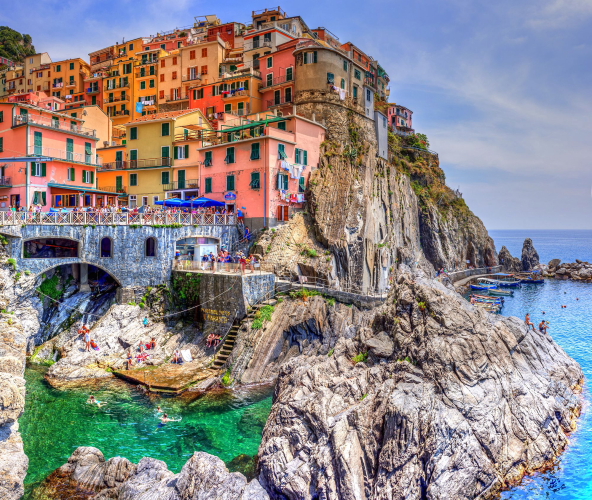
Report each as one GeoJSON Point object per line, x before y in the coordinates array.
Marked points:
{"type": "Point", "coordinates": [278, 75]}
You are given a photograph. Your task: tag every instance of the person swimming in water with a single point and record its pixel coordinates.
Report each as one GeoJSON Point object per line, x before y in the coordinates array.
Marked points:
{"type": "Point", "coordinates": [159, 410]}
{"type": "Point", "coordinates": [93, 401]}
{"type": "Point", "coordinates": [165, 418]}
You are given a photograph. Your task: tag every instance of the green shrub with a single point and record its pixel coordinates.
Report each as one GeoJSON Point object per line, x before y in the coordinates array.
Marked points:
{"type": "Point", "coordinates": [132, 303]}
{"type": "Point", "coordinates": [27, 272]}
{"type": "Point", "coordinates": [227, 379]}
{"type": "Point", "coordinates": [17, 276]}
{"type": "Point", "coordinates": [422, 306]}
{"type": "Point", "coordinates": [261, 316]}
{"type": "Point", "coordinates": [3, 239]}
{"type": "Point", "coordinates": [331, 352]}
{"type": "Point", "coordinates": [12, 262]}
{"type": "Point", "coordinates": [360, 358]}
{"type": "Point", "coordinates": [303, 292]}
{"type": "Point", "coordinates": [330, 301]}
{"type": "Point", "coordinates": [50, 287]}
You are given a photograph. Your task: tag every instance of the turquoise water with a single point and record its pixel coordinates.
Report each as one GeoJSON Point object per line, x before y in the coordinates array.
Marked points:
{"type": "Point", "coordinates": [572, 329]}
{"type": "Point", "coordinates": [565, 244]}
{"type": "Point", "coordinates": [55, 423]}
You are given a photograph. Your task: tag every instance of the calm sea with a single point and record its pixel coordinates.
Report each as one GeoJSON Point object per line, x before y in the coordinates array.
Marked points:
{"type": "Point", "coordinates": [565, 244]}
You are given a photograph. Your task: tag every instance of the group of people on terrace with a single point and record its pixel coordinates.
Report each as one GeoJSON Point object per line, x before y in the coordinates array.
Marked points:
{"type": "Point", "coordinates": [105, 209]}
{"type": "Point", "coordinates": [224, 258]}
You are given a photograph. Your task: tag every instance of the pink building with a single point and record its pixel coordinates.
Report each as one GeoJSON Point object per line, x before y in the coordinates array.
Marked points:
{"type": "Point", "coordinates": [61, 172]}
{"type": "Point", "coordinates": [261, 167]}
{"type": "Point", "coordinates": [277, 76]}
{"type": "Point", "coordinates": [400, 119]}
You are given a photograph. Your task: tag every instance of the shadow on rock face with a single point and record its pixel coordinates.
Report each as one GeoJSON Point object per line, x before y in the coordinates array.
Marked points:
{"type": "Point", "coordinates": [245, 464]}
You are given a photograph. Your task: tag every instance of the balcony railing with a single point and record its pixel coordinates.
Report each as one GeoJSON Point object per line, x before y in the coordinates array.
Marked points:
{"type": "Point", "coordinates": [144, 163]}
{"type": "Point", "coordinates": [278, 80]}
{"type": "Point", "coordinates": [5, 182]}
{"type": "Point", "coordinates": [91, 90]}
{"type": "Point", "coordinates": [177, 98]}
{"type": "Point", "coordinates": [279, 102]}
{"type": "Point", "coordinates": [235, 93]}
{"type": "Point", "coordinates": [153, 60]}
{"type": "Point", "coordinates": [113, 189]}
{"type": "Point", "coordinates": [144, 74]}
{"type": "Point", "coordinates": [256, 45]}
{"type": "Point", "coordinates": [123, 112]}
{"type": "Point", "coordinates": [116, 99]}
{"type": "Point", "coordinates": [45, 121]}
{"type": "Point", "coordinates": [186, 184]}
{"type": "Point", "coordinates": [57, 85]}
{"type": "Point", "coordinates": [191, 78]}
{"type": "Point", "coordinates": [60, 154]}
{"type": "Point", "coordinates": [115, 218]}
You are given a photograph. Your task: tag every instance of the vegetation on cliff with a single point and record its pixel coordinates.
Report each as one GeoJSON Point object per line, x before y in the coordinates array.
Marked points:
{"type": "Point", "coordinates": [14, 45]}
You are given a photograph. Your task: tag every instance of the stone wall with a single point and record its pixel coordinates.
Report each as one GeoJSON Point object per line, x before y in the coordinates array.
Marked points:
{"type": "Point", "coordinates": [128, 264]}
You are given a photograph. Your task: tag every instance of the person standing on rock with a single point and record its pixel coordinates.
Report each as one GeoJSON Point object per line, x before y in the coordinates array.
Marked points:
{"type": "Point", "coordinates": [528, 322]}
{"type": "Point", "coordinates": [87, 340]}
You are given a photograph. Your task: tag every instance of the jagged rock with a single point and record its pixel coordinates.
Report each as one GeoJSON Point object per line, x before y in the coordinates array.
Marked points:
{"type": "Point", "coordinates": [381, 345]}
{"type": "Point", "coordinates": [530, 257]}
{"type": "Point", "coordinates": [509, 264]}
{"type": "Point", "coordinates": [478, 402]}
{"type": "Point", "coordinates": [554, 264]}
{"type": "Point", "coordinates": [88, 475]}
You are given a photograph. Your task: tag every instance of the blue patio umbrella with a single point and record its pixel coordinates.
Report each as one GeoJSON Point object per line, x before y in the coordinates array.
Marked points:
{"type": "Point", "coordinates": [171, 202]}
{"type": "Point", "coordinates": [203, 202]}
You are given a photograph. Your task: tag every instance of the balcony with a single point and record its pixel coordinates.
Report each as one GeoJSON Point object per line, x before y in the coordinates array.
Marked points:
{"type": "Point", "coordinates": [111, 100]}
{"type": "Point", "coordinates": [123, 112]}
{"type": "Point", "coordinates": [240, 73]}
{"type": "Point", "coordinates": [176, 185]}
{"type": "Point", "coordinates": [145, 74]}
{"type": "Point", "coordinates": [92, 90]}
{"type": "Point", "coordinates": [5, 182]}
{"type": "Point", "coordinates": [130, 164]}
{"type": "Point", "coordinates": [113, 189]}
{"type": "Point", "coordinates": [46, 121]}
{"type": "Point", "coordinates": [256, 45]}
{"type": "Point", "coordinates": [177, 98]}
{"type": "Point", "coordinates": [229, 94]}
{"type": "Point", "coordinates": [278, 80]}
{"type": "Point", "coordinates": [145, 62]}
{"type": "Point", "coordinates": [57, 85]}
{"type": "Point", "coordinates": [279, 102]}
{"type": "Point", "coordinates": [71, 84]}
{"type": "Point", "coordinates": [69, 156]}
{"type": "Point", "coordinates": [95, 76]}
{"type": "Point", "coordinates": [191, 78]}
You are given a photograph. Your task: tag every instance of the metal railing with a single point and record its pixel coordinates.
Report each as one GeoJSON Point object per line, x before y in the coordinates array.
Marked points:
{"type": "Point", "coordinates": [5, 182]}
{"type": "Point", "coordinates": [144, 163]}
{"type": "Point", "coordinates": [186, 184]}
{"type": "Point", "coordinates": [116, 99]}
{"type": "Point", "coordinates": [280, 102]}
{"type": "Point", "coordinates": [256, 45]}
{"type": "Point", "coordinates": [115, 218]}
{"type": "Point", "coordinates": [177, 98]}
{"type": "Point", "coordinates": [236, 93]}
{"type": "Point", "coordinates": [46, 121]}
{"type": "Point", "coordinates": [191, 78]}
{"type": "Point", "coordinates": [278, 80]}
{"type": "Point", "coordinates": [60, 154]}
{"type": "Point", "coordinates": [113, 189]}
{"type": "Point", "coordinates": [466, 273]}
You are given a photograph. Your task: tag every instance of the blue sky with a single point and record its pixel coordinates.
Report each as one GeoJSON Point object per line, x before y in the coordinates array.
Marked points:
{"type": "Point", "coordinates": [502, 89]}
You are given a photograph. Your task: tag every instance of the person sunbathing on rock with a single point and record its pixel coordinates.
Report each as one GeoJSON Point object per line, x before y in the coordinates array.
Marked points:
{"type": "Point", "coordinates": [528, 322]}
{"type": "Point", "coordinates": [177, 357]}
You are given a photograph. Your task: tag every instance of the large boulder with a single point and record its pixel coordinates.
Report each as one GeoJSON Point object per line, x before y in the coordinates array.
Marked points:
{"type": "Point", "coordinates": [509, 264]}
{"type": "Point", "coordinates": [554, 264]}
{"type": "Point", "coordinates": [530, 257]}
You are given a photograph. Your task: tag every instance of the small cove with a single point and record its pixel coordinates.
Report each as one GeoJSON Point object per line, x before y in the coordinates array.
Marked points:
{"type": "Point", "coordinates": [225, 423]}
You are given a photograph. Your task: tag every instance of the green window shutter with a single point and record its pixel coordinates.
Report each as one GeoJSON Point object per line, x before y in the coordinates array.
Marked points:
{"type": "Point", "coordinates": [301, 185]}
{"type": "Point", "coordinates": [33, 168]}
{"type": "Point", "coordinates": [1, 144]}
{"type": "Point", "coordinates": [305, 60]}
{"type": "Point", "coordinates": [87, 148]}
{"type": "Point", "coordinates": [255, 180]}
{"type": "Point", "coordinates": [314, 57]}
{"type": "Point", "coordinates": [228, 108]}
{"type": "Point", "coordinates": [165, 177]}
{"type": "Point", "coordinates": [270, 62]}
{"type": "Point", "coordinates": [119, 156]}
{"type": "Point", "coordinates": [181, 179]}
{"type": "Point", "coordinates": [165, 129]}
{"type": "Point", "coordinates": [186, 150]}
{"type": "Point", "coordinates": [282, 151]}
{"type": "Point", "coordinates": [229, 155]}
{"type": "Point", "coordinates": [166, 152]}
{"type": "Point", "coordinates": [282, 125]}
{"type": "Point", "coordinates": [36, 198]}
{"type": "Point", "coordinates": [208, 184]}
{"type": "Point", "coordinates": [38, 143]}
{"type": "Point", "coordinates": [176, 152]}
{"type": "Point", "coordinates": [119, 183]}
{"type": "Point", "coordinates": [72, 174]}
{"type": "Point", "coordinates": [84, 176]}
{"type": "Point", "coordinates": [230, 183]}
{"type": "Point", "coordinates": [24, 111]}
{"type": "Point", "coordinates": [43, 198]}
{"type": "Point", "coordinates": [255, 151]}
{"type": "Point", "coordinates": [43, 169]}
{"type": "Point", "coordinates": [1, 116]}
{"type": "Point", "coordinates": [134, 154]}
{"type": "Point", "coordinates": [92, 177]}
{"type": "Point", "coordinates": [208, 159]}
{"type": "Point", "coordinates": [143, 85]}
{"type": "Point", "coordinates": [289, 74]}
{"type": "Point", "coordinates": [297, 156]}
{"type": "Point", "coordinates": [305, 158]}
{"type": "Point", "coordinates": [133, 179]}
{"type": "Point", "coordinates": [246, 85]}
{"type": "Point", "coordinates": [133, 133]}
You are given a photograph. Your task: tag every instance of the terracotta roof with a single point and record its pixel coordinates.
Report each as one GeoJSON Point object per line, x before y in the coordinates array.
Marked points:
{"type": "Point", "coordinates": [167, 115]}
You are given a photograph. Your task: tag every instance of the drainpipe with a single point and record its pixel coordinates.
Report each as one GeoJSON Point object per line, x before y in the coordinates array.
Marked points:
{"type": "Point", "coordinates": [265, 186]}
{"type": "Point", "coordinates": [27, 164]}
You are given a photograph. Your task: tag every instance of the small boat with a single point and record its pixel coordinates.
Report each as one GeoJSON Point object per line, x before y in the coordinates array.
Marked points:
{"type": "Point", "coordinates": [506, 280]}
{"type": "Point", "coordinates": [487, 298]}
{"type": "Point", "coordinates": [494, 308]}
{"type": "Point", "coordinates": [531, 279]}
{"type": "Point", "coordinates": [484, 284]}
{"type": "Point", "coordinates": [501, 293]}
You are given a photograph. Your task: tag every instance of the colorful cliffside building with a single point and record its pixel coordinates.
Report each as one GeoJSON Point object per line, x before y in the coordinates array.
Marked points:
{"type": "Point", "coordinates": [400, 119]}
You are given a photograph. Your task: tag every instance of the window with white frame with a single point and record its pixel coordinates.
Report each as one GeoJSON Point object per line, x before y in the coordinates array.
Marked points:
{"type": "Point", "coordinates": [154, 200]}
{"type": "Point", "coordinates": [145, 200]}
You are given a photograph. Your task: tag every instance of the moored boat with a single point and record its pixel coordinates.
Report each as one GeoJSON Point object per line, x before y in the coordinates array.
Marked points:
{"type": "Point", "coordinates": [501, 293]}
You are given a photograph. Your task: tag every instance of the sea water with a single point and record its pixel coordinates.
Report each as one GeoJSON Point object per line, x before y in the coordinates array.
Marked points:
{"type": "Point", "coordinates": [56, 422]}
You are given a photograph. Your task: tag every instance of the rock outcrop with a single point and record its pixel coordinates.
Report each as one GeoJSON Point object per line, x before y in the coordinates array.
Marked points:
{"type": "Point", "coordinates": [530, 257]}
{"type": "Point", "coordinates": [450, 402]}
{"type": "Point", "coordinates": [88, 475]}
{"type": "Point", "coordinates": [509, 263]}
{"type": "Point", "coordinates": [577, 271]}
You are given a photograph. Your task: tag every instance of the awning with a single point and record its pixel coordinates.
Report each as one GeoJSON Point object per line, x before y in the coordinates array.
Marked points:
{"type": "Point", "coordinates": [254, 124]}
{"type": "Point", "coordinates": [83, 189]}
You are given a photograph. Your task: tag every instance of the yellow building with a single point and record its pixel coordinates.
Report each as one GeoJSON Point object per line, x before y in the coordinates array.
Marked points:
{"type": "Point", "coordinates": [146, 80]}
{"type": "Point", "coordinates": [67, 80]}
{"type": "Point", "coordinates": [146, 170]}
{"type": "Point", "coordinates": [94, 118]}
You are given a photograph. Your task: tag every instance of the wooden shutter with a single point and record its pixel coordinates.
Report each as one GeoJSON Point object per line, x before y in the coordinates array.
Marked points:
{"type": "Point", "coordinates": [43, 169]}
{"type": "Point", "coordinates": [92, 177]}
{"type": "Point", "coordinates": [286, 209]}
{"type": "Point", "coordinates": [176, 152]}
{"type": "Point", "coordinates": [305, 157]}
{"type": "Point", "coordinates": [186, 147]}
{"type": "Point", "coordinates": [280, 212]}
{"type": "Point", "coordinates": [43, 198]}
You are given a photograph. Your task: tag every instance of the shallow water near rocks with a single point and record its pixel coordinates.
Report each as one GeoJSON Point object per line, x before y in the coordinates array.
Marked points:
{"type": "Point", "coordinates": [226, 424]}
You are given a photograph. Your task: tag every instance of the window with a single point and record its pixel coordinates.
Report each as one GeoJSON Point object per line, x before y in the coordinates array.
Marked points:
{"type": "Point", "coordinates": [88, 177]}
{"type": "Point", "coordinates": [269, 79]}
{"type": "Point", "coordinates": [229, 155]}
{"type": "Point", "coordinates": [58, 68]}
{"type": "Point", "coordinates": [165, 177]}
{"type": "Point", "coordinates": [154, 200]}
{"type": "Point", "coordinates": [344, 65]}
{"type": "Point", "coordinates": [133, 133]}
{"type": "Point", "coordinates": [230, 183]}
{"type": "Point", "coordinates": [228, 108]}
{"type": "Point", "coordinates": [150, 242]}
{"type": "Point", "coordinates": [151, 84]}
{"type": "Point", "coordinates": [289, 74]}
{"type": "Point", "coordinates": [38, 169]}
{"type": "Point", "coordinates": [163, 46]}
{"type": "Point", "coordinates": [161, 94]}
{"type": "Point", "coordinates": [355, 91]}
{"type": "Point", "coordinates": [208, 184]}
{"type": "Point", "coordinates": [39, 198]}
{"type": "Point", "coordinates": [181, 152]}
{"type": "Point", "coordinates": [165, 152]}
{"type": "Point", "coordinates": [175, 61]}
{"type": "Point", "coordinates": [174, 75]}
{"type": "Point", "coordinates": [255, 180]}
{"type": "Point", "coordinates": [357, 74]}
{"type": "Point", "coordinates": [198, 94]}
{"type": "Point", "coordinates": [162, 63]}
{"type": "Point", "coordinates": [38, 143]}
{"type": "Point", "coordinates": [288, 92]}
{"type": "Point", "coordinates": [204, 52]}
{"type": "Point", "coordinates": [127, 68]}
{"type": "Point", "coordinates": [204, 70]}
{"type": "Point", "coordinates": [368, 95]}
{"type": "Point", "coordinates": [277, 97]}
{"type": "Point", "coordinates": [255, 151]}
{"type": "Point", "coordinates": [310, 57]}
{"type": "Point", "coordinates": [282, 125]}
{"type": "Point", "coordinates": [71, 174]}
{"type": "Point", "coordinates": [282, 151]}
{"type": "Point", "coordinates": [282, 183]}
{"type": "Point", "coordinates": [192, 54]}
{"type": "Point", "coordinates": [330, 78]}
{"type": "Point", "coordinates": [270, 62]}
{"type": "Point", "coordinates": [165, 129]}
{"type": "Point", "coordinates": [145, 201]}
{"type": "Point", "coordinates": [1, 144]}
{"type": "Point", "coordinates": [343, 83]}
{"type": "Point", "coordinates": [297, 156]}
{"type": "Point", "coordinates": [208, 159]}
{"type": "Point", "coordinates": [301, 185]}
{"type": "Point", "coordinates": [133, 179]}
{"type": "Point", "coordinates": [143, 84]}
{"type": "Point", "coordinates": [1, 116]}
{"type": "Point", "coordinates": [106, 247]}
{"type": "Point", "coordinates": [131, 46]}
{"type": "Point", "coordinates": [71, 65]}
